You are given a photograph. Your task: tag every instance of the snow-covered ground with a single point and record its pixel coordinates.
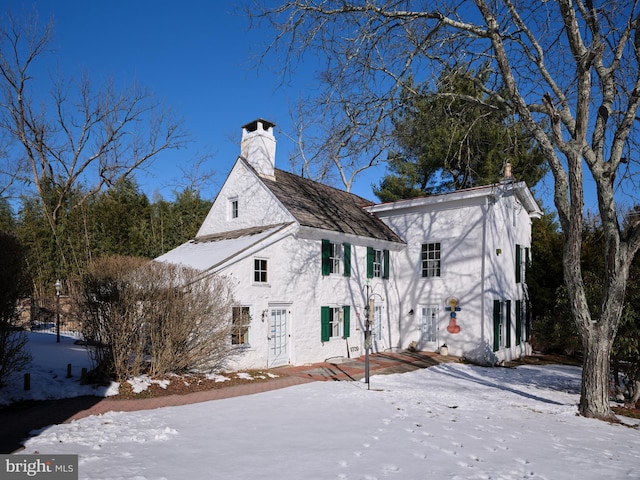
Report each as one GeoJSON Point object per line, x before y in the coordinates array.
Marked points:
{"type": "Point", "coordinates": [451, 421]}
{"type": "Point", "coordinates": [48, 371]}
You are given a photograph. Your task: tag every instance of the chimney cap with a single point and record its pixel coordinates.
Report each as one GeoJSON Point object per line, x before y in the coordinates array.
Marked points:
{"type": "Point", "coordinates": [253, 126]}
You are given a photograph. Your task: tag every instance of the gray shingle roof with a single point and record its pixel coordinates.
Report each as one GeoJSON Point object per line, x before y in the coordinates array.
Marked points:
{"type": "Point", "coordinates": [316, 205]}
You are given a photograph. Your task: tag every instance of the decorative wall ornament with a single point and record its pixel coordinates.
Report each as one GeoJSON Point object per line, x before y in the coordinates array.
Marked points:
{"type": "Point", "coordinates": [452, 307]}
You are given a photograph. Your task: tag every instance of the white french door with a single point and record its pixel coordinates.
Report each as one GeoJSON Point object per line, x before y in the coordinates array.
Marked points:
{"type": "Point", "coordinates": [278, 336]}
{"type": "Point", "coordinates": [428, 327]}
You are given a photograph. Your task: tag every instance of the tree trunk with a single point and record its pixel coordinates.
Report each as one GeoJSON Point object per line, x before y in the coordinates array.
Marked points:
{"type": "Point", "coordinates": [594, 398]}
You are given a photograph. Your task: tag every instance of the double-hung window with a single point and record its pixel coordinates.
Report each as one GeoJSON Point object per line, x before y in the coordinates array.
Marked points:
{"type": "Point", "coordinates": [335, 322]}
{"type": "Point", "coordinates": [522, 261]}
{"type": "Point", "coordinates": [240, 321]}
{"type": "Point", "coordinates": [377, 263]}
{"type": "Point", "coordinates": [501, 324]}
{"type": "Point", "coordinates": [430, 265]}
{"type": "Point", "coordinates": [260, 270]}
{"type": "Point", "coordinates": [336, 258]}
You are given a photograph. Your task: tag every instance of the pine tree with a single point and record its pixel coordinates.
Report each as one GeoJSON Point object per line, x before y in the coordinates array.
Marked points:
{"type": "Point", "coordinates": [455, 138]}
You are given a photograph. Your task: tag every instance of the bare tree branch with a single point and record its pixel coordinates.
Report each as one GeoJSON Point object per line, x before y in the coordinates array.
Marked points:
{"type": "Point", "coordinates": [79, 134]}
{"type": "Point", "coordinates": [568, 69]}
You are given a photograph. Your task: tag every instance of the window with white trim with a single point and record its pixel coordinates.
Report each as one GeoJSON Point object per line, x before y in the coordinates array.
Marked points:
{"type": "Point", "coordinates": [335, 322]}
{"type": "Point", "coordinates": [336, 258]}
{"type": "Point", "coordinates": [522, 261]}
{"type": "Point", "coordinates": [234, 208]}
{"type": "Point", "coordinates": [260, 270]}
{"type": "Point", "coordinates": [240, 322]}
{"type": "Point", "coordinates": [377, 263]}
{"type": "Point", "coordinates": [501, 324]}
{"type": "Point", "coordinates": [430, 264]}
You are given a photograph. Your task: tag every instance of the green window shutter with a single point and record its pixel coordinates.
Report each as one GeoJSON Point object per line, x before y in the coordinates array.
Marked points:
{"type": "Point", "coordinates": [369, 262]}
{"type": "Point", "coordinates": [508, 324]}
{"type": "Point", "coordinates": [518, 322]}
{"type": "Point", "coordinates": [326, 254]}
{"type": "Point", "coordinates": [527, 321]}
{"type": "Point", "coordinates": [347, 259]}
{"type": "Point", "coordinates": [496, 325]}
{"type": "Point", "coordinates": [518, 263]}
{"type": "Point", "coordinates": [325, 334]}
{"type": "Point", "coordinates": [527, 262]}
{"type": "Point", "coordinates": [346, 321]}
{"type": "Point", "coordinates": [385, 273]}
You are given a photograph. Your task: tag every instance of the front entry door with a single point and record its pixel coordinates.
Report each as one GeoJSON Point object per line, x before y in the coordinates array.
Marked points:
{"type": "Point", "coordinates": [278, 337]}
{"type": "Point", "coordinates": [429, 327]}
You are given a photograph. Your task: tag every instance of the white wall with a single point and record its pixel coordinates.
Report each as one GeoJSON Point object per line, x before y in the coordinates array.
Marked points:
{"type": "Point", "coordinates": [256, 204]}
{"type": "Point", "coordinates": [470, 231]}
{"type": "Point", "coordinates": [296, 280]}
{"type": "Point", "coordinates": [459, 230]}
{"type": "Point", "coordinates": [477, 234]}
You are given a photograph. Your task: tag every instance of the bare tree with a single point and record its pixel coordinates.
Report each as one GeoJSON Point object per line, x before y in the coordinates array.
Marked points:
{"type": "Point", "coordinates": [569, 70]}
{"type": "Point", "coordinates": [77, 134]}
{"type": "Point", "coordinates": [328, 146]}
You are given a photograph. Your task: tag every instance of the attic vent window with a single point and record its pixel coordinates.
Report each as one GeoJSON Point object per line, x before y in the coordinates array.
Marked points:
{"type": "Point", "coordinates": [234, 210]}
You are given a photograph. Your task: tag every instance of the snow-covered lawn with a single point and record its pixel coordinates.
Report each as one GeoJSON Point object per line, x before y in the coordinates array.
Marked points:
{"type": "Point", "coordinates": [48, 370]}
{"type": "Point", "coordinates": [447, 422]}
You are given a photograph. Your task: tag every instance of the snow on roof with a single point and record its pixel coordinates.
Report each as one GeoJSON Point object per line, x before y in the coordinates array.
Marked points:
{"type": "Point", "coordinates": [206, 253]}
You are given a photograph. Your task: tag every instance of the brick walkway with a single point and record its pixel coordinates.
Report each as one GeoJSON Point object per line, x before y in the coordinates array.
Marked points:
{"type": "Point", "coordinates": [349, 370]}
{"type": "Point", "coordinates": [18, 421]}
{"type": "Point", "coordinates": [379, 363]}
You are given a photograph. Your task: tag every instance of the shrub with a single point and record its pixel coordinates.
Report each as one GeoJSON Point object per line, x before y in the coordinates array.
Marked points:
{"type": "Point", "coordinates": [153, 317]}
{"type": "Point", "coordinates": [13, 353]}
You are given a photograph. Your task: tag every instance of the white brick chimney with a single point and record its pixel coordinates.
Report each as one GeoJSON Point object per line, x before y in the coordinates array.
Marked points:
{"type": "Point", "coordinates": [258, 147]}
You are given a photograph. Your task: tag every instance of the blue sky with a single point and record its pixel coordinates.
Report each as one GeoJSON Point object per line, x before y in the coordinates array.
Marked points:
{"type": "Point", "coordinates": [196, 55]}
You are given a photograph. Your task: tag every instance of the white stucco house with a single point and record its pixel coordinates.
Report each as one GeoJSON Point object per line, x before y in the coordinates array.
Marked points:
{"type": "Point", "coordinates": [307, 259]}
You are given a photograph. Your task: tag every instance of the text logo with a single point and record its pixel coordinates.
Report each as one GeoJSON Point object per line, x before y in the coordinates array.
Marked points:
{"type": "Point", "coordinates": [50, 467]}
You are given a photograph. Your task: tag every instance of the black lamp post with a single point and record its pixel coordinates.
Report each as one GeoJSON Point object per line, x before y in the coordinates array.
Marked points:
{"type": "Point", "coordinates": [58, 288]}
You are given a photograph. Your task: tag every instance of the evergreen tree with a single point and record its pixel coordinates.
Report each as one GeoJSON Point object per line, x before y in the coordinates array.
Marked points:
{"type": "Point", "coordinates": [179, 221]}
{"type": "Point", "coordinates": [121, 219]}
{"type": "Point", "coordinates": [7, 222]}
{"type": "Point", "coordinates": [455, 138]}
{"type": "Point", "coordinates": [189, 211]}
{"type": "Point", "coordinates": [37, 239]}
